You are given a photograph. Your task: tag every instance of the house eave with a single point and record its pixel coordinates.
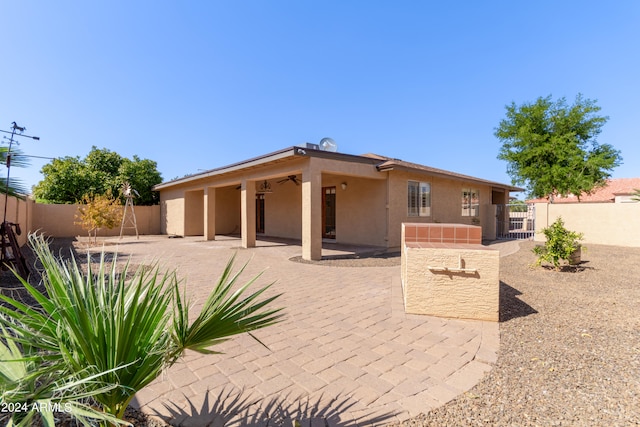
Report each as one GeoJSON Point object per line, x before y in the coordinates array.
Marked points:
{"type": "Point", "coordinates": [444, 174]}
{"type": "Point", "coordinates": [381, 164]}
{"type": "Point", "coordinates": [290, 152]}
{"type": "Point", "coordinates": [256, 161]}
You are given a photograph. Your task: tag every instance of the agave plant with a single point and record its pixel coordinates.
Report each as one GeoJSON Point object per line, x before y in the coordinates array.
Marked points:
{"type": "Point", "coordinates": [124, 327]}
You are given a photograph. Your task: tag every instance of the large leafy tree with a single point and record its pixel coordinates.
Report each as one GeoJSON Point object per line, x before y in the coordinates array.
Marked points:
{"type": "Point", "coordinates": [552, 148]}
{"type": "Point", "coordinates": [69, 179]}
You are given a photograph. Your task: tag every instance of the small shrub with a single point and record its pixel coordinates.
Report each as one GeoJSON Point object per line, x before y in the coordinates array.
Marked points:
{"type": "Point", "coordinates": [99, 211]}
{"type": "Point", "coordinates": [560, 245]}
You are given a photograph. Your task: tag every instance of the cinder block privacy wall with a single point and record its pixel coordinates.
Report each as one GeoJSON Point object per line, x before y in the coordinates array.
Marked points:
{"type": "Point", "coordinates": [60, 220]}
{"type": "Point", "coordinates": [447, 272]}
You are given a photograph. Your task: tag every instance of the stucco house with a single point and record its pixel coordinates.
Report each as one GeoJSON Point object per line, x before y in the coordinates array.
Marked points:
{"type": "Point", "coordinates": [305, 193]}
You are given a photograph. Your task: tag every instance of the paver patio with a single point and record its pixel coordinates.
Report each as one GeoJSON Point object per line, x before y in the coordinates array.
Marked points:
{"type": "Point", "coordinates": [346, 353]}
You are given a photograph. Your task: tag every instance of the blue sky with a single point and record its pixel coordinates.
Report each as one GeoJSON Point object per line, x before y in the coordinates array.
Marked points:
{"type": "Point", "coordinates": [198, 85]}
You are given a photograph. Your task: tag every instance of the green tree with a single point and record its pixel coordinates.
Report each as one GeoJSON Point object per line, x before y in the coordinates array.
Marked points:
{"type": "Point", "coordinates": [142, 175]}
{"type": "Point", "coordinates": [552, 147]}
{"type": "Point", "coordinates": [518, 206]}
{"type": "Point", "coordinates": [65, 181]}
{"type": "Point", "coordinates": [68, 179]}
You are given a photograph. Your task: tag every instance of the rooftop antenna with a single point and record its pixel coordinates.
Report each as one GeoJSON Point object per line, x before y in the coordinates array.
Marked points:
{"type": "Point", "coordinates": [9, 248]}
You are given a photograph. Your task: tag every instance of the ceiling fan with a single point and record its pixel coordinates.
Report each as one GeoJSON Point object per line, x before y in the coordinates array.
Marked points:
{"type": "Point", "coordinates": [293, 178]}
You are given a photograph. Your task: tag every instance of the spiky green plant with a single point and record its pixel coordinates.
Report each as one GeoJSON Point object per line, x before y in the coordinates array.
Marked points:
{"type": "Point", "coordinates": [29, 392]}
{"type": "Point", "coordinates": [127, 326]}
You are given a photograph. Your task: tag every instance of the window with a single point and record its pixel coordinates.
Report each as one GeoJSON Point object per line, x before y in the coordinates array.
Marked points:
{"type": "Point", "coordinates": [419, 200]}
{"type": "Point", "coordinates": [470, 202]}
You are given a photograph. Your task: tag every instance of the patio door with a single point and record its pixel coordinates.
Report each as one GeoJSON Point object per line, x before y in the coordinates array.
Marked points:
{"type": "Point", "coordinates": [329, 212]}
{"type": "Point", "coordinates": [260, 213]}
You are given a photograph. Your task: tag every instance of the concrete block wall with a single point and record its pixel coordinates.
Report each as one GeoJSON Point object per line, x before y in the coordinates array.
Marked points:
{"type": "Point", "coordinates": [446, 272]}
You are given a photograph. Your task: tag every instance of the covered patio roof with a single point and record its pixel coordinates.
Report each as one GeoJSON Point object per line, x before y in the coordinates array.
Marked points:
{"type": "Point", "coordinates": [382, 164]}
{"type": "Point", "coordinates": [271, 158]}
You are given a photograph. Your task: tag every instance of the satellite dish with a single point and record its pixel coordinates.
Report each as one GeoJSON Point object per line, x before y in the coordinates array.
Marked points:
{"type": "Point", "coordinates": [328, 144]}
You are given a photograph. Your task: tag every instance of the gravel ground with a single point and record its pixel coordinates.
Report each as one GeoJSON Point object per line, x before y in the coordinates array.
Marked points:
{"type": "Point", "coordinates": [569, 350]}
{"type": "Point", "coordinates": [569, 347]}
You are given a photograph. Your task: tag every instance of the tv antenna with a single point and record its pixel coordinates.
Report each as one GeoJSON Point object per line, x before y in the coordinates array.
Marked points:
{"type": "Point", "coordinates": [129, 220]}
{"type": "Point", "coordinates": [10, 254]}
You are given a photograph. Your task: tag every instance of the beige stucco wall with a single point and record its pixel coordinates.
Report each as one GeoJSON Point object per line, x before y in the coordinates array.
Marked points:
{"type": "Point", "coordinates": [441, 278]}
{"type": "Point", "coordinates": [227, 210]}
{"type": "Point", "coordinates": [59, 221]}
{"type": "Point", "coordinates": [450, 294]}
{"type": "Point", "coordinates": [18, 212]}
{"type": "Point", "coordinates": [194, 212]}
{"type": "Point", "coordinates": [446, 204]}
{"type": "Point", "coordinates": [172, 211]}
{"type": "Point", "coordinates": [360, 209]}
{"type": "Point", "coordinates": [283, 210]}
{"type": "Point", "coordinates": [602, 223]}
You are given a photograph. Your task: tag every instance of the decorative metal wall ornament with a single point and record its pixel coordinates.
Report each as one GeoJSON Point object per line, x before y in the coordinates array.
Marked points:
{"type": "Point", "coordinates": [264, 187]}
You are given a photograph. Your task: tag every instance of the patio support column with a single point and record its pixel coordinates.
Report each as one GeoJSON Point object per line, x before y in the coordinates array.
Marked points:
{"type": "Point", "coordinates": [209, 213]}
{"type": "Point", "coordinates": [248, 213]}
{"type": "Point", "coordinates": [311, 213]}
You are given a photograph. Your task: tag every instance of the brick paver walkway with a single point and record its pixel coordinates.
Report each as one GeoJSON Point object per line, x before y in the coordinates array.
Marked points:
{"type": "Point", "coordinates": [346, 354]}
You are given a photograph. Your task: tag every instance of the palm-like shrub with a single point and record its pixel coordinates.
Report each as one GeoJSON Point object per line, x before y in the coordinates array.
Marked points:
{"type": "Point", "coordinates": [125, 327]}
{"type": "Point", "coordinates": [29, 392]}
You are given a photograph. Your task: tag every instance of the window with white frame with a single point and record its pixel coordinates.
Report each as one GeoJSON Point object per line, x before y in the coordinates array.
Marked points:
{"type": "Point", "coordinates": [419, 198]}
{"type": "Point", "coordinates": [470, 202]}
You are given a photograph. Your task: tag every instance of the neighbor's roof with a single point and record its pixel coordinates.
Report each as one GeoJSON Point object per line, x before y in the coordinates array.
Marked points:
{"type": "Point", "coordinates": [382, 163]}
{"type": "Point", "coordinates": [607, 194]}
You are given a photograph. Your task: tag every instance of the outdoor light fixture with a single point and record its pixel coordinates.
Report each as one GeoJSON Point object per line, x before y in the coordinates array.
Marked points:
{"type": "Point", "coordinates": [343, 185]}
{"type": "Point", "coordinates": [265, 187]}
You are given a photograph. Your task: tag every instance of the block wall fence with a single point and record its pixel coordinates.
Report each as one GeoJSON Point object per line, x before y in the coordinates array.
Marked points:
{"type": "Point", "coordinates": [59, 220]}
{"type": "Point", "coordinates": [616, 224]}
